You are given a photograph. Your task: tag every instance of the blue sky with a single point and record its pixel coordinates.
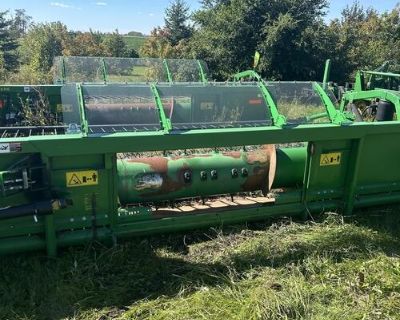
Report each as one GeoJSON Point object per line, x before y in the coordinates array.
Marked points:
{"type": "Point", "coordinates": [128, 15]}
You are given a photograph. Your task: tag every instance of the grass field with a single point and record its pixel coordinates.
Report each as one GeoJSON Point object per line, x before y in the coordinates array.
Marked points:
{"type": "Point", "coordinates": [134, 42]}
{"type": "Point", "coordinates": [333, 268]}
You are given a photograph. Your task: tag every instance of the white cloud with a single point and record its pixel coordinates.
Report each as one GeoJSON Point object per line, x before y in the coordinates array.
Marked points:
{"type": "Point", "coordinates": [60, 5]}
{"type": "Point", "coordinates": [63, 5]}
{"type": "Point", "coordinates": [101, 3]}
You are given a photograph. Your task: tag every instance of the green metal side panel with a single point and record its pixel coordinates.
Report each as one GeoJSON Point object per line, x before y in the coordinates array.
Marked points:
{"type": "Point", "coordinates": [328, 168]}
{"type": "Point", "coordinates": [93, 205]}
{"type": "Point", "coordinates": [380, 161]}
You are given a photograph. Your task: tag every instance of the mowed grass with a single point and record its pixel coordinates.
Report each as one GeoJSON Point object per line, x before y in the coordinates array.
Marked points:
{"type": "Point", "coordinates": [333, 268]}
{"type": "Point", "coordinates": [134, 42]}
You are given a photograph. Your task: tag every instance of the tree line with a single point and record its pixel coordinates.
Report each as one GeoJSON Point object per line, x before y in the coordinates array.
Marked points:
{"type": "Point", "coordinates": [27, 49]}
{"type": "Point", "coordinates": [293, 37]}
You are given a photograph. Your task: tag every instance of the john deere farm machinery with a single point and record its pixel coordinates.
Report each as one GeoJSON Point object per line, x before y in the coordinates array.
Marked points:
{"type": "Point", "coordinates": [118, 148]}
{"type": "Point", "coordinates": [375, 96]}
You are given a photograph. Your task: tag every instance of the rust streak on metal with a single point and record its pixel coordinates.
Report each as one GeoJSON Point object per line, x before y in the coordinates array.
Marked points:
{"type": "Point", "coordinates": [233, 154]}
{"type": "Point", "coordinates": [262, 155]}
{"type": "Point", "coordinates": [191, 156]}
{"type": "Point", "coordinates": [158, 164]}
{"type": "Point", "coordinates": [257, 180]}
{"type": "Point", "coordinates": [263, 175]}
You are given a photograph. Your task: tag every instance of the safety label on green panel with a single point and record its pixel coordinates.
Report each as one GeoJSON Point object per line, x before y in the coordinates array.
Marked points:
{"type": "Point", "coordinates": [330, 159]}
{"type": "Point", "coordinates": [82, 178]}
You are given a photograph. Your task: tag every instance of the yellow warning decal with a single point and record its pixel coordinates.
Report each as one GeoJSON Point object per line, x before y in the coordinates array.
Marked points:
{"type": "Point", "coordinates": [330, 159]}
{"type": "Point", "coordinates": [82, 178]}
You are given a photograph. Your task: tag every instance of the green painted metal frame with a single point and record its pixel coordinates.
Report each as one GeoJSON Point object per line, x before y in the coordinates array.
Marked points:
{"type": "Point", "coordinates": [169, 76]}
{"type": "Point", "coordinates": [382, 94]}
{"type": "Point", "coordinates": [203, 76]}
{"type": "Point", "coordinates": [81, 103]}
{"type": "Point", "coordinates": [327, 72]}
{"type": "Point", "coordinates": [335, 116]}
{"type": "Point", "coordinates": [345, 186]}
{"type": "Point", "coordinates": [164, 121]}
{"type": "Point", "coordinates": [104, 69]}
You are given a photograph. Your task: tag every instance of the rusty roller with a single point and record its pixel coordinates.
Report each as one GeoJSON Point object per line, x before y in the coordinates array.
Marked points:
{"type": "Point", "coordinates": [159, 179]}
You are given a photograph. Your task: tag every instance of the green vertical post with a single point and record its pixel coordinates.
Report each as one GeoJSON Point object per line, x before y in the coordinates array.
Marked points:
{"type": "Point", "coordinates": [352, 185]}
{"type": "Point", "coordinates": [203, 77]}
{"type": "Point", "coordinates": [334, 115]}
{"type": "Point", "coordinates": [104, 68]}
{"type": "Point", "coordinates": [51, 238]}
{"type": "Point", "coordinates": [278, 119]}
{"type": "Point", "coordinates": [110, 160]}
{"type": "Point", "coordinates": [164, 121]}
{"type": "Point", "coordinates": [165, 63]}
{"type": "Point", "coordinates": [359, 84]}
{"type": "Point", "coordinates": [63, 70]}
{"type": "Point", "coordinates": [327, 73]}
{"type": "Point", "coordinates": [84, 123]}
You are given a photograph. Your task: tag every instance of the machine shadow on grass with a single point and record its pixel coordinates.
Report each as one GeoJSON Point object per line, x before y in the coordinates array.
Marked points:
{"type": "Point", "coordinates": [98, 277]}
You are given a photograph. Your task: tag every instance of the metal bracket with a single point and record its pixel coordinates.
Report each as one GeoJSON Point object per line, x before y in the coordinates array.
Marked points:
{"type": "Point", "coordinates": [164, 121]}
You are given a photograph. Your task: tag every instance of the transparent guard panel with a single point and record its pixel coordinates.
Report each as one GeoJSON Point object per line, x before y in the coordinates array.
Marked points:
{"type": "Point", "coordinates": [184, 70]}
{"type": "Point", "coordinates": [70, 109]}
{"type": "Point", "coordinates": [298, 102]}
{"type": "Point", "coordinates": [57, 70]}
{"type": "Point", "coordinates": [331, 96]}
{"type": "Point", "coordinates": [120, 108]}
{"type": "Point", "coordinates": [83, 69]}
{"type": "Point", "coordinates": [206, 71]}
{"type": "Point", "coordinates": [122, 70]}
{"type": "Point", "coordinates": [214, 106]}
{"type": "Point", "coordinates": [135, 70]}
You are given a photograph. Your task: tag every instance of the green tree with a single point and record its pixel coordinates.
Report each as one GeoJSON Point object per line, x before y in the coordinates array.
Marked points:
{"type": "Point", "coordinates": [20, 23]}
{"type": "Point", "coordinates": [176, 22]}
{"type": "Point", "coordinates": [229, 32]}
{"type": "Point", "coordinates": [8, 44]}
{"type": "Point", "coordinates": [41, 44]}
{"type": "Point", "coordinates": [364, 39]}
{"type": "Point", "coordinates": [89, 44]}
{"type": "Point", "coordinates": [158, 45]}
{"type": "Point", "coordinates": [135, 34]}
{"type": "Point", "coordinates": [114, 45]}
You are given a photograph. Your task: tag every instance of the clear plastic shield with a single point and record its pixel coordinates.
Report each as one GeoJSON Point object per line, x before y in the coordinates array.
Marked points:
{"type": "Point", "coordinates": [82, 69]}
{"type": "Point", "coordinates": [126, 70]}
{"type": "Point", "coordinates": [120, 108]}
{"type": "Point", "coordinates": [214, 106]}
{"type": "Point", "coordinates": [70, 108]}
{"type": "Point", "coordinates": [184, 70]}
{"type": "Point", "coordinates": [135, 70]}
{"type": "Point", "coordinates": [298, 102]}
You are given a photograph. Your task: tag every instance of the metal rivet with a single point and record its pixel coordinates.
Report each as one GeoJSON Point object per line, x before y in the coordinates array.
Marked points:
{"type": "Point", "coordinates": [187, 176]}
{"type": "Point", "coordinates": [234, 173]}
{"type": "Point", "coordinates": [203, 175]}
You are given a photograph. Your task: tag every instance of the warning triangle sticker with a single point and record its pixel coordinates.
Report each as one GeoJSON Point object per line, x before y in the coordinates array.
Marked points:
{"type": "Point", "coordinates": [74, 181]}
{"type": "Point", "coordinates": [325, 160]}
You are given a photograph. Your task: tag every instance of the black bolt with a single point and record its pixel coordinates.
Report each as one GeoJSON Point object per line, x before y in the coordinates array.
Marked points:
{"type": "Point", "coordinates": [187, 176]}
{"type": "Point", "coordinates": [214, 174]}
{"type": "Point", "coordinates": [245, 172]}
{"type": "Point", "coordinates": [235, 173]}
{"type": "Point", "coordinates": [203, 175]}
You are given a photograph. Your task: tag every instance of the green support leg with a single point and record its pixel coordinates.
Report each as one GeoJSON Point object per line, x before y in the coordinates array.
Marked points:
{"type": "Point", "coordinates": [351, 192]}
{"type": "Point", "coordinates": [51, 238]}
